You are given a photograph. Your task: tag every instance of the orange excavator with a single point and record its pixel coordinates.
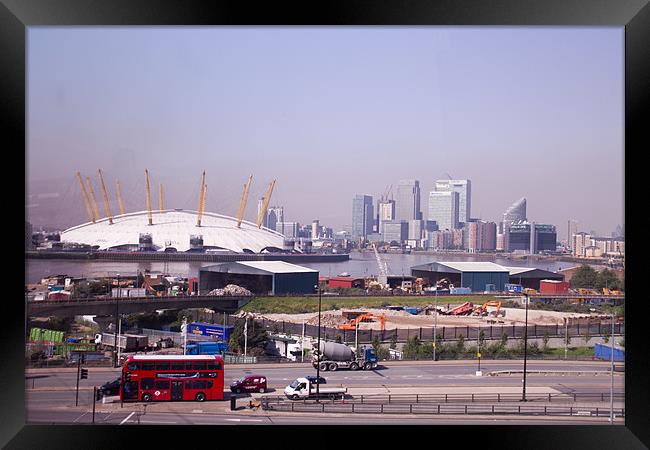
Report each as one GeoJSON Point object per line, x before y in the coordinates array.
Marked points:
{"type": "Point", "coordinates": [367, 317]}
{"type": "Point", "coordinates": [482, 310]}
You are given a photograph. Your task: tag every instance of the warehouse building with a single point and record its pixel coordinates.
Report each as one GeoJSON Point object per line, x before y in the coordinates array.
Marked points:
{"type": "Point", "coordinates": [478, 276]}
{"type": "Point", "coordinates": [530, 277]}
{"type": "Point", "coordinates": [259, 277]}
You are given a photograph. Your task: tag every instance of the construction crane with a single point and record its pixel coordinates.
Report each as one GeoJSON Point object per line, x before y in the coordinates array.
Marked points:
{"type": "Point", "coordinates": [242, 202]}
{"type": "Point", "coordinates": [265, 205]}
{"type": "Point", "coordinates": [92, 198]}
{"type": "Point", "coordinates": [107, 207]}
{"type": "Point", "coordinates": [119, 197]}
{"type": "Point", "coordinates": [89, 210]}
{"type": "Point", "coordinates": [146, 173]}
{"type": "Point", "coordinates": [201, 195]}
{"type": "Point", "coordinates": [383, 268]}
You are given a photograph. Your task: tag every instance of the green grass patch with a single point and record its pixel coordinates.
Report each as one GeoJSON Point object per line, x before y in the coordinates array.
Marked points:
{"type": "Point", "coordinates": [572, 351]}
{"type": "Point", "coordinates": [299, 305]}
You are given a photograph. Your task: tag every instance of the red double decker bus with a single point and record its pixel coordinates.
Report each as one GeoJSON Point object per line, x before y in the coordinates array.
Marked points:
{"type": "Point", "coordinates": [172, 377]}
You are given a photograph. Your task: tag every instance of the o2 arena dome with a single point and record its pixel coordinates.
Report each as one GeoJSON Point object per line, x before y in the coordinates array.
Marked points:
{"type": "Point", "coordinates": [175, 229]}
{"type": "Point", "coordinates": [172, 229]}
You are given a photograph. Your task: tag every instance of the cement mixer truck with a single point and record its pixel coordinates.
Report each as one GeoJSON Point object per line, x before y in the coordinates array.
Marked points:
{"type": "Point", "coordinates": [333, 356]}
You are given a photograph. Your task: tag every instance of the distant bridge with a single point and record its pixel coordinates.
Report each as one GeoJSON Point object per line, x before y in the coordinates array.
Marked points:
{"type": "Point", "coordinates": [129, 305]}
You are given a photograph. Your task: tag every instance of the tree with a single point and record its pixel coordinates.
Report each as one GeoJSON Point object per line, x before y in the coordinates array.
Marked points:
{"type": "Point", "coordinates": [545, 340]}
{"type": "Point", "coordinates": [257, 336]}
{"type": "Point", "coordinates": [460, 344]}
{"type": "Point", "coordinates": [393, 342]}
{"type": "Point", "coordinates": [608, 279]}
{"type": "Point", "coordinates": [411, 349]}
{"type": "Point", "coordinates": [585, 277]}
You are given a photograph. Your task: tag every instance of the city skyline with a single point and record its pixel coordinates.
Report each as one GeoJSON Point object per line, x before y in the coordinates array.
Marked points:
{"type": "Point", "coordinates": [519, 111]}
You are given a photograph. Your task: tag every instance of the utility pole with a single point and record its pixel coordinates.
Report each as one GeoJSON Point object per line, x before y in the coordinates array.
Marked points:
{"type": "Point", "coordinates": [611, 387]}
{"type": "Point", "coordinates": [76, 400]}
{"type": "Point", "coordinates": [523, 398]}
{"type": "Point", "coordinates": [318, 365]}
{"type": "Point", "coordinates": [117, 313]}
{"type": "Point", "coordinates": [435, 326]}
{"type": "Point", "coordinates": [566, 337]}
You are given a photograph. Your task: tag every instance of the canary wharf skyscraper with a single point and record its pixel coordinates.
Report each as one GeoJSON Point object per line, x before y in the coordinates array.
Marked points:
{"type": "Point", "coordinates": [407, 203]}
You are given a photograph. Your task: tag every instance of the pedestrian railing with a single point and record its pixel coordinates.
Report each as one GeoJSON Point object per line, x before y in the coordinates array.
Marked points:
{"type": "Point", "coordinates": [390, 399]}
{"type": "Point", "coordinates": [341, 407]}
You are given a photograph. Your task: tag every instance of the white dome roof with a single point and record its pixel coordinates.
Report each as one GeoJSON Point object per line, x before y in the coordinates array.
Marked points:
{"type": "Point", "coordinates": [173, 228]}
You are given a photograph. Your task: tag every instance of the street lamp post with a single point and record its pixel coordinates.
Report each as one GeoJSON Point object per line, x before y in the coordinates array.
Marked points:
{"type": "Point", "coordinates": [318, 365]}
{"type": "Point", "coordinates": [435, 326]}
{"type": "Point", "coordinates": [523, 398]}
{"type": "Point", "coordinates": [117, 312]}
{"type": "Point", "coordinates": [611, 386]}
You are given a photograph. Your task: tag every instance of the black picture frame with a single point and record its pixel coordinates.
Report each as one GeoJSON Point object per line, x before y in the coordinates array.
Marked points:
{"type": "Point", "coordinates": [634, 15]}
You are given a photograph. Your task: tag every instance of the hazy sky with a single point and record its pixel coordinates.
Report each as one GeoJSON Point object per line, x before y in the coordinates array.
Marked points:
{"type": "Point", "coordinates": [329, 112]}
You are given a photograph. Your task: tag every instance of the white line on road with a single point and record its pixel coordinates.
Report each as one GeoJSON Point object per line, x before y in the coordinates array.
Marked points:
{"type": "Point", "coordinates": [80, 416]}
{"type": "Point", "coordinates": [244, 420]}
{"type": "Point", "coordinates": [127, 418]}
{"type": "Point", "coordinates": [158, 421]}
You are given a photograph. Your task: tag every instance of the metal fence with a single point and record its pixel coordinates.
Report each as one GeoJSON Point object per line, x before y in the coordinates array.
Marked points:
{"type": "Point", "coordinates": [389, 399]}
{"type": "Point", "coordinates": [444, 409]}
{"type": "Point", "coordinates": [444, 333]}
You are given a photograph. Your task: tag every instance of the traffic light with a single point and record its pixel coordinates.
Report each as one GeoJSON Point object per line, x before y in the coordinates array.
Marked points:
{"type": "Point", "coordinates": [84, 374]}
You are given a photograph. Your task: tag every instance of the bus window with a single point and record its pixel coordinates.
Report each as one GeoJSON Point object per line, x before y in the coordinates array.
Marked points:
{"type": "Point", "coordinates": [177, 365]}
{"type": "Point", "coordinates": [147, 366]}
{"type": "Point", "coordinates": [163, 365]}
{"type": "Point", "coordinates": [214, 365]}
{"type": "Point", "coordinates": [199, 365]}
{"type": "Point", "coordinates": [146, 383]}
{"type": "Point", "coordinates": [162, 384]}
{"type": "Point", "coordinates": [188, 365]}
{"type": "Point", "coordinates": [133, 366]}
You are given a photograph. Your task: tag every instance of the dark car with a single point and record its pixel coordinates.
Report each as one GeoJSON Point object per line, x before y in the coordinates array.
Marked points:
{"type": "Point", "coordinates": [249, 383]}
{"type": "Point", "coordinates": [108, 389]}
{"type": "Point", "coordinates": [314, 380]}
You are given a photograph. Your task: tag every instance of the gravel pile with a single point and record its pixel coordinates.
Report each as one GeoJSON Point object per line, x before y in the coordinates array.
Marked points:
{"type": "Point", "coordinates": [231, 289]}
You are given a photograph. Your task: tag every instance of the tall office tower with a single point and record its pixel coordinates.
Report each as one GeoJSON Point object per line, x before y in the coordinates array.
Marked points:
{"type": "Point", "coordinates": [315, 229]}
{"type": "Point", "coordinates": [407, 205]}
{"type": "Point", "coordinates": [572, 229]}
{"type": "Point", "coordinates": [274, 215]}
{"type": "Point", "coordinates": [362, 216]}
{"type": "Point", "coordinates": [489, 236]}
{"type": "Point", "coordinates": [516, 212]}
{"type": "Point", "coordinates": [288, 229]}
{"type": "Point", "coordinates": [386, 211]}
{"type": "Point", "coordinates": [464, 189]}
{"type": "Point", "coordinates": [443, 208]}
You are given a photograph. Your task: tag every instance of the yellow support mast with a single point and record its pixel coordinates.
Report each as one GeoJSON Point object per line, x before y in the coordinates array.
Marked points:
{"type": "Point", "coordinates": [92, 198]}
{"type": "Point", "coordinates": [265, 204]}
{"type": "Point", "coordinates": [107, 207]}
{"type": "Point", "coordinates": [161, 197]}
{"type": "Point", "coordinates": [201, 195]}
{"type": "Point", "coordinates": [119, 197]}
{"type": "Point", "coordinates": [89, 210]}
{"type": "Point", "coordinates": [146, 173]}
{"type": "Point", "coordinates": [242, 202]}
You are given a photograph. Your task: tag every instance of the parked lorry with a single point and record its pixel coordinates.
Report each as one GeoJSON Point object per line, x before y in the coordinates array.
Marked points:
{"type": "Point", "coordinates": [214, 330]}
{"type": "Point", "coordinates": [206, 348]}
{"type": "Point", "coordinates": [302, 388]}
{"type": "Point", "coordinates": [126, 342]}
{"type": "Point", "coordinates": [333, 356]}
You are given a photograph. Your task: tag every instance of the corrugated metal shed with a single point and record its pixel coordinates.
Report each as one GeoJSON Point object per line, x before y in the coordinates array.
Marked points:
{"type": "Point", "coordinates": [258, 267]}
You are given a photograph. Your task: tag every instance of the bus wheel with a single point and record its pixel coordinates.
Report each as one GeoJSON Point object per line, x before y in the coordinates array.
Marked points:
{"type": "Point", "coordinates": [146, 397]}
{"type": "Point", "coordinates": [200, 397]}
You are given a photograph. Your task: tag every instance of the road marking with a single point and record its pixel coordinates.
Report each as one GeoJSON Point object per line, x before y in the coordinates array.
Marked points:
{"type": "Point", "coordinates": [80, 416]}
{"type": "Point", "coordinates": [244, 420]}
{"type": "Point", "coordinates": [127, 418]}
{"type": "Point", "coordinates": [157, 421]}
{"type": "Point", "coordinates": [197, 410]}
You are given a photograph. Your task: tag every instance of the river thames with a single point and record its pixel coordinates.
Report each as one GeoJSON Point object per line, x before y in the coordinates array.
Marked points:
{"type": "Point", "coordinates": [360, 264]}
